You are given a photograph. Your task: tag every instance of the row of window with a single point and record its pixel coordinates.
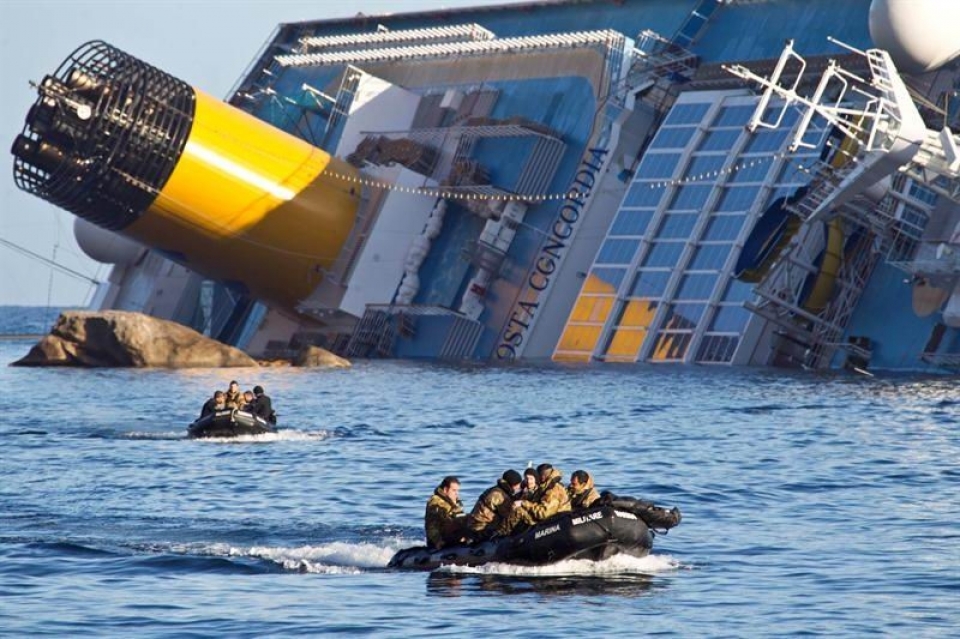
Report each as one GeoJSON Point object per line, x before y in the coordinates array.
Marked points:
{"type": "Point", "coordinates": [664, 253]}
{"type": "Point", "coordinates": [635, 223]}
{"type": "Point", "coordinates": [729, 317]}
{"type": "Point", "coordinates": [726, 208]}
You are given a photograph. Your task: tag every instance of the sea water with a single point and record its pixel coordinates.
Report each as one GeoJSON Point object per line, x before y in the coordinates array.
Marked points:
{"type": "Point", "coordinates": [818, 504]}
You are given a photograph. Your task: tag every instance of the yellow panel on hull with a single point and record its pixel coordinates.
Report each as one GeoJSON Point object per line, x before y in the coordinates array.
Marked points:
{"type": "Point", "coordinates": [635, 318]}
{"type": "Point", "coordinates": [249, 203]}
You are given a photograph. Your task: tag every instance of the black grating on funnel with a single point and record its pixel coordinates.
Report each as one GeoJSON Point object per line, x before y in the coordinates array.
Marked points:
{"type": "Point", "coordinates": [104, 135]}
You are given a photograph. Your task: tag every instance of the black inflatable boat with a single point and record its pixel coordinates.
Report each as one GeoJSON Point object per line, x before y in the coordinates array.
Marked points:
{"type": "Point", "coordinates": [229, 423]}
{"type": "Point", "coordinates": [621, 526]}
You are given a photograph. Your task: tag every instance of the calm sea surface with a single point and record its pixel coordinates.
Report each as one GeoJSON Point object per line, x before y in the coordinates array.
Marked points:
{"type": "Point", "coordinates": [813, 504]}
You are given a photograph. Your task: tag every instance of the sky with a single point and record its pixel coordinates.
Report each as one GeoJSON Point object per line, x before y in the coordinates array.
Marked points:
{"type": "Point", "coordinates": [206, 43]}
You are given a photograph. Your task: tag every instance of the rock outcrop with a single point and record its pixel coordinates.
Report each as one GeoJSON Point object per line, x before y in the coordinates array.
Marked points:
{"type": "Point", "coordinates": [316, 357]}
{"type": "Point", "coordinates": [122, 338]}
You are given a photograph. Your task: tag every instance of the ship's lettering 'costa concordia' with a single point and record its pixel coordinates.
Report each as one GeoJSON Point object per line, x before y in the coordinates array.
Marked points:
{"type": "Point", "coordinates": [635, 181]}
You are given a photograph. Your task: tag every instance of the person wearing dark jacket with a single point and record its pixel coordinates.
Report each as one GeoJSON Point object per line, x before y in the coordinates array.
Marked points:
{"type": "Point", "coordinates": [262, 405]}
{"type": "Point", "coordinates": [492, 510]}
{"type": "Point", "coordinates": [214, 404]}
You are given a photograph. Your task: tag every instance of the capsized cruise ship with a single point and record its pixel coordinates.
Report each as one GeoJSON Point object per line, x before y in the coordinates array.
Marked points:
{"type": "Point", "coordinates": [728, 182]}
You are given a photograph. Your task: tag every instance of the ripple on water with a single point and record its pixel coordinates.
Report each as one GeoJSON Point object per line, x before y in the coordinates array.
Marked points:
{"type": "Point", "coordinates": [812, 504]}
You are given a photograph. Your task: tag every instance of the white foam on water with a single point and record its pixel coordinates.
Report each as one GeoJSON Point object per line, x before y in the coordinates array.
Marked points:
{"type": "Point", "coordinates": [166, 435]}
{"type": "Point", "coordinates": [286, 435]}
{"type": "Point", "coordinates": [340, 557]}
{"type": "Point", "coordinates": [616, 565]}
{"type": "Point", "coordinates": [332, 558]}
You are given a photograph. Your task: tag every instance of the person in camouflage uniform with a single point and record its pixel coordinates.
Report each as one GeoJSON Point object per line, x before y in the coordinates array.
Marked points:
{"type": "Point", "coordinates": [582, 492]}
{"type": "Point", "coordinates": [234, 398]}
{"type": "Point", "coordinates": [550, 499]}
{"type": "Point", "coordinates": [529, 487]}
{"type": "Point", "coordinates": [492, 511]}
{"type": "Point", "coordinates": [443, 518]}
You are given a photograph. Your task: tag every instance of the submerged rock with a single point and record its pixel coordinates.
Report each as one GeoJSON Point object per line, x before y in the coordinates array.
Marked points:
{"type": "Point", "coordinates": [314, 356]}
{"type": "Point", "coordinates": [124, 338]}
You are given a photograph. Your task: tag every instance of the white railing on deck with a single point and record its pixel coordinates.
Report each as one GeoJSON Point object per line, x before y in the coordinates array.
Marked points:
{"type": "Point", "coordinates": [607, 37]}
{"type": "Point", "coordinates": [458, 32]}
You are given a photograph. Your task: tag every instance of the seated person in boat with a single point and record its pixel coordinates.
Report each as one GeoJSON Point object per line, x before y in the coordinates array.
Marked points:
{"type": "Point", "coordinates": [529, 487]}
{"type": "Point", "coordinates": [582, 492]}
{"type": "Point", "coordinates": [234, 397]}
{"type": "Point", "coordinates": [443, 519]}
{"type": "Point", "coordinates": [214, 404]}
{"type": "Point", "coordinates": [247, 403]}
{"type": "Point", "coordinates": [263, 406]}
{"type": "Point", "coordinates": [550, 499]}
{"type": "Point", "coordinates": [491, 513]}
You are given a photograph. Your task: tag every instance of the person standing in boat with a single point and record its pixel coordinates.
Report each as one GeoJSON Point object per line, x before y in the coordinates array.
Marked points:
{"type": "Point", "coordinates": [263, 405]}
{"type": "Point", "coordinates": [214, 404]}
{"type": "Point", "coordinates": [234, 398]}
{"type": "Point", "coordinates": [582, 492]}
{"type": "Point", "coordinates": [551, 498]}
{"type": "Point", "coordinates": [443, 519]}
{"type": "Point", "coordinates": [491, 513]}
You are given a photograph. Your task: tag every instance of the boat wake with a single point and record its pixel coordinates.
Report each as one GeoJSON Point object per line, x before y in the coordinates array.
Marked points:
{"type": "Point", "coordinates": [285, 435]}
{"type": "Point", "coordinates": [618, 565]}
{"type": "Point", "coordinates": [353, 558]}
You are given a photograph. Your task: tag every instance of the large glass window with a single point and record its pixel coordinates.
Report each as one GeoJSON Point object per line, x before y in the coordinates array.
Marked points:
{"type": "Point", "coordinates": [631, 222]}
{"type": "Point", "coordinates": [664, 254]}
{"type": "Point", "coordinates": [765, 141]}
{"type": "Point", "coordinates": [670, 346]}
{"type": "Point", "coordinates": [658, 165]}
{"type": "Point", "coordinates": [643, 194]}
{"type": "Point", "coordinates": [723, 228]}
{"type": "Point", "coordinates": [729, 319]}
{"type": "Point", "coordinates": [734, 115]}
{"type": "Point", "coordinates": [751, 169]}
{"type": "Point", "coordinates": [579, 338]}
{"type": "Point", "coordinates": [604, 280]}
{"type": "Point", "coordinates": [719, 140]}
{"type": "Point", "coordinates": [914, 220]}
{"type": "Point", "coordinates": [678, 225]}
{"type": "Point", "coordinates": [717, 348]}
{"type": "Point", "coordinates": [687, 113]}
{"type": "Point", "coordinates": [696, 286]}
{"type": "Point", "coordinates": [673, 137]}
{"type": "Point", "coordinates": [705, 166]}
{"type": "Point", "coordinates": [692, 196]}
{"type": "Point", "coordinates": [787, 115]}
{"type": "Point", "coordinates": [616, 251]}
{"type": "Point", "coordinates": [683, 316]}
{"type": "Point", "coordinates": [922, 193]}
{"type": "Point", "coordinates": [738, 291]}
{"type": "Point", "coordinates": [738, 198]}
{"type": "Point", "coordinates": [709, 257]}
{"type": "Point", "coordinates": [650, 283]}
{"type": "Point", "coordinates": [592, 309]}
